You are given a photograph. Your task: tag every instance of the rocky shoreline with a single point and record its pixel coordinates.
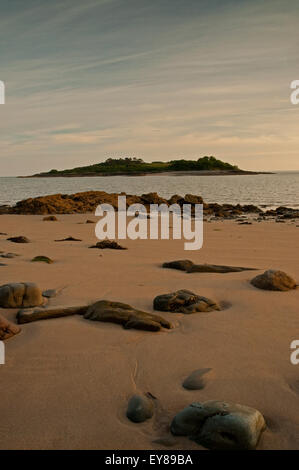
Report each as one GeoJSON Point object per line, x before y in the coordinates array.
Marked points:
{"type": "Point", "coordinates": [85, 202]}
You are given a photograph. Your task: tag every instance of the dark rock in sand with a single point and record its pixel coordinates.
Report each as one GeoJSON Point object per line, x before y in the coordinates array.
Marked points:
{"type": "Point", "coordinates": [89, 221]}
{"type": "Point", "coordinates": [103, 310]}
{"type": "Point", "coordinates": [105, 244]}
{"type": "Point", "coordinates": [220, 425]}
{"type": "Point", "coordinates": [215, 268]}
{"type": "Point", "coordinates": [50, 218]}
{"type": "Point", "coordinates": [274, 280]}
{"type": "Point", "coordinates": [36, 314]}
{"type": "Point", "coordinates": [182, 264]}
{"type": "Point", "coordinates": [9, 255]}
{"type": "Point", "coordinates": [20, 239]}
{"type": "Point", "coordinates": [196, 380]}
{"type": "Point", "coordinates": [123, 314]}
{"type": "Point", "coordinates": [190, 267]}
{"type": "Point", "coordinates": [3, 264]}
{"type": "Point", "coordinates": [50, 293]}
{"type": "Point", "coordinates": [7, 329]}
{"type": "Point", "coordinates": [18, 295]}
{"type": "Point", "coordinates": [140, 408]}
{"type": "Point", "coordinates": [69, 239]}
{"type": "Point", "coordinates": [184, 301]}
{"type": "Point", "coordinates": [42, 259]}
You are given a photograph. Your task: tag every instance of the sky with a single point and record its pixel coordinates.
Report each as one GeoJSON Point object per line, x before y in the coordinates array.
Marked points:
{"type": "Point", "coordinates": [153, 79]}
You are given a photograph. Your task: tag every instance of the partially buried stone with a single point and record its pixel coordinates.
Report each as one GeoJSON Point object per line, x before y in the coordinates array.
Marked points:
{"type": "Point", "coordinates": [220, 425]}
{"type": "Point", "coordinates": [140, 408]}
{"type": "Point", "coordinates": [129, 317]}
{"type": "Point", "coordinates": [50, 293]}
{"type": "Point", "coordinates": [69, 239]}
{"type": "Point", "coordinates": [196, 380]}
{"type": "Point", "coordinates": [42, 259]}
{"type": "Point", "coordinates": [108, 244]}
{"type": "Point", "coordinates": [20, 239]}
{"type": "Point", "coordinates": [9, 255]}
{"type": "Point", "coordinates": [182, 264]}
{"type": "Point", "coordinates": [274, 280]}
{"type": "Point", "coordinates": [184, 301]}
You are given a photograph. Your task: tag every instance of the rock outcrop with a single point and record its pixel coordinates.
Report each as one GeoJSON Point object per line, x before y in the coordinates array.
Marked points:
{"type": "Point", "coordinates": [88, 201]}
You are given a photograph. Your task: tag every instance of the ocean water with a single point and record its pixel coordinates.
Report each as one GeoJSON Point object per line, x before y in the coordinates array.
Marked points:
{"type": "Point", "coordinates": [280, 189]}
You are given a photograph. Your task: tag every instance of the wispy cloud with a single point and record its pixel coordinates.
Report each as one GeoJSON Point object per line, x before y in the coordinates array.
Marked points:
{"type": "Point", "coordinates": [153, 79]}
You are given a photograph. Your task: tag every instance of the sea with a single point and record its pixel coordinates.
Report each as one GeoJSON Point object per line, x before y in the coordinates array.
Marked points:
{"type": "Point", "coordinates": [263, 190]}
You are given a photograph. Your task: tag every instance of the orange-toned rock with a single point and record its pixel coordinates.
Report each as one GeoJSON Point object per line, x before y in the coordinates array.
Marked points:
{"type": "Point", "coordinates": [7, 329]}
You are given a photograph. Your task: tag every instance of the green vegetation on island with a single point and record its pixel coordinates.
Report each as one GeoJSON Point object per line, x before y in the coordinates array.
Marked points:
{"type": "Point", "coordinates": [136, 166]}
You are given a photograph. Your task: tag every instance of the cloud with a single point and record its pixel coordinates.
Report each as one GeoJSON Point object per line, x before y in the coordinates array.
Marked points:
{"type": "Point", "coordinates": [153, 79]}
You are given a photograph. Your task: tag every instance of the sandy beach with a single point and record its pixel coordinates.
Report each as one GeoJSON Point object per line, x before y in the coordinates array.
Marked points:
{"type": "Point", "coordinates": [67, 381]}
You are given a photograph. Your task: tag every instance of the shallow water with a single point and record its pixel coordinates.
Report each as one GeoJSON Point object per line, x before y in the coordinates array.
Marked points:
{"type": "Point", "coordinates": [280, 189]}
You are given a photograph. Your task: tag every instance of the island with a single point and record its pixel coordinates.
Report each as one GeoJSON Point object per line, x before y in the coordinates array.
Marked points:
{"type": "Point", "coordinates": [128, 166]}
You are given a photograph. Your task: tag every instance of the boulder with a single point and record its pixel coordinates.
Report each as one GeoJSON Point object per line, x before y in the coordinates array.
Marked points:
{"type": "Point", "coordinates": [140, 408]}
{"type": "Point", "coordinates": [184, 301]}
{"type": "Point", "coordinates": [219, 425]}
{"type": "Point", "coordinates": [274, 280]}
{"type": "Point", "coordinates": [129, 317]}
{"type": "Point", "coordinates": [20, 295]}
